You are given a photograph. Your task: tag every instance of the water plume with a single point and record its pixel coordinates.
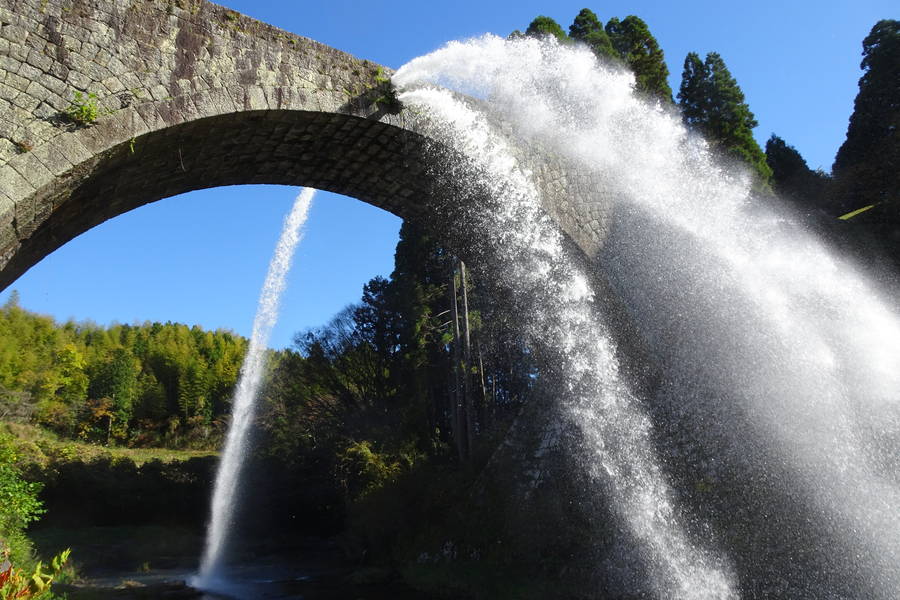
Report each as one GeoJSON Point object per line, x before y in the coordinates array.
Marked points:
{"type": "Point", "coordinates": [779, 401]}
{"type": "Point", "coordinates": [536, 267]}
{"type": "Point", "coordinates": [225, 494]}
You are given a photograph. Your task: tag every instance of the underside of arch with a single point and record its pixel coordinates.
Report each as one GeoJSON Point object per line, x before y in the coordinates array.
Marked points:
{"type": "Point", "coordinates": [375, 162]}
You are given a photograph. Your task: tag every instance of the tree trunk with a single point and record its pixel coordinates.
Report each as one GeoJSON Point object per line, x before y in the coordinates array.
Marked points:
{"type": "Point", "coordinates": [468, 410]}
{"type": "Point", "coordinates": [482, 409]}
{"type": "Point", "coordinates": [458, 417]}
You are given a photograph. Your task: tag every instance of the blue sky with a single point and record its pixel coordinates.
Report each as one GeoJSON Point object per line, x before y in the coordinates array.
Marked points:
{"type": "Point", "coordinates": [200, 258]}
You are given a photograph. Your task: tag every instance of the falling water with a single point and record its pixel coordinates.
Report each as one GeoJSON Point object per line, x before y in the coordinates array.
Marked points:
{"type": "Point", "coordinates": [228, 477]}
{"type": "Point", "coordinates": [779, 401]}
{"type": "Point", "coordinates": [535, 265]}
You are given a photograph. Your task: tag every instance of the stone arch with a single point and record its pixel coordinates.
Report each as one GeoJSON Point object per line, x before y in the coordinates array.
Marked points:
{"type": "Point", "coordinates": [192, 95]}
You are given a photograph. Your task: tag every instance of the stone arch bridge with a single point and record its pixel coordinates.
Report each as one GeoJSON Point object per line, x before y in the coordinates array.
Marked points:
{"type": "Point", "coordinates": [192, 95]}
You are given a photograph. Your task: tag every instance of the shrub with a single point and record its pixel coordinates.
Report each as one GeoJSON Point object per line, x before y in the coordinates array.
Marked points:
{"type": "Point", "coordinates": [83, 110]}
{"type": "Point", "coordinates": [363, 470]}
{"type": "Point", "coordinates": [19, 504]}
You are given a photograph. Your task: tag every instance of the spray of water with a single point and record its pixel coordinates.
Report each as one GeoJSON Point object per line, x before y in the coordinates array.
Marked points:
{"type": "Point", "coordinates": [530, 248]}
{"type": "Point", "coordinates": [224, 501]}
{"type": "Point", "coordinates": [780, 362]}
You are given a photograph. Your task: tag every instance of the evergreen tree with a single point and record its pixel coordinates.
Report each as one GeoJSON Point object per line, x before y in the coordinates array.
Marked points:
{"type": "Point", "coordinates": [791, 177]}
{"type": "Point", "coordinates": [695, 92]}
{"type": "Point", "coordinates": [542, 26]}
{"type": "Point", "coordinates": [713, 104]}
{"type": "Point", "coordinates": [867, 167]}
{"type": "Point", "coordinates": [588, 30]}
{"type": "Point", "coordinates": [632, 41]}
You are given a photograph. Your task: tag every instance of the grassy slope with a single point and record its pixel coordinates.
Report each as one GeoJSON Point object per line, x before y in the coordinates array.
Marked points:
{"type": "Point", "coordinates": [37, 445]}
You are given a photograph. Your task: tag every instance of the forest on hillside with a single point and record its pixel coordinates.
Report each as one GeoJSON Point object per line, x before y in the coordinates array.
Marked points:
{"type": "Point", "coordinates": [392, 408]}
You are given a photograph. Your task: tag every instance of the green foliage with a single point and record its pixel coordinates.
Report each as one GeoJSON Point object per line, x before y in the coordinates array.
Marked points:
{"type": "Point", "coordinates": [587, 29]}
{"type": "Point", "coordinates": [115, 381]}
{"type": "Point", "coordinates": [121, 384]}
{"type": "Point", "coordinates": [628, 41]}
{"type": "Point", "coordinates": [380, 77]}
{"type": "Point", "coordinates": [632, 40]}
{"type": "Point", "coordinates": [18, 498]}
{"type": "Point", "coordinates": [387, 97]}
{"type": "Point", "coordinates": [543, 26]}
{"type": "Point", "coordinates": [378, 370]}
{"type": "Point", "coordinates": [83, 109]}
{"type": "Point", "coordinates": [19, 504]}
{"type": "Point", "coordinates": [713, 104]}
{"type": "Point", "coordinates": [873, 124]}
{"type": "Point", "coordinates": [363, 470]}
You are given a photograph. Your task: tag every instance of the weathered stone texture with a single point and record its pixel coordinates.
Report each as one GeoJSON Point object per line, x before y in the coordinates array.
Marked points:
{"type": "Point", "coordinates": [193, 95]}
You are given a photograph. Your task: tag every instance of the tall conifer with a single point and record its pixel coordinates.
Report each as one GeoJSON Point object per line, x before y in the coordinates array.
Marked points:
{"type": "Point", "coordinates": [588, 29]}
{"type": "Point", "coordinates": [634, 43]}
{"type": "Point", "coordinates": [867, 166]}
{"type": "Point", "coordinates": [713, 104]}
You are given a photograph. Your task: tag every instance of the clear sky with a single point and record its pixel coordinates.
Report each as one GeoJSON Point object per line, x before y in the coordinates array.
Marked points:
{"type": "Point", "coordinates": [200, 258]}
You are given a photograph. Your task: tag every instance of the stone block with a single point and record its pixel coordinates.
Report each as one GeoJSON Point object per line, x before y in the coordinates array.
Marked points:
{"type": "Point", "coordinates": [9, 239]}
{"type": "Point", "coordinates": [79, 81]}
{"type": "Point", "coordinates": [13, 184]}
{"type": "Point", "coordinates": [51, 157]}
{"type": "Point", "coordinates": [71, 148]}
{"type": "Point", "coordinates": [32, 169]}
{"type": "Point", "coordinates": [7, 150]}
{"type": "Point", "coordinates": [15, 34]}
{"type": "Point", "coordinates": [39, 60]}
{"type": "Point", "coordinates": [16, 82]}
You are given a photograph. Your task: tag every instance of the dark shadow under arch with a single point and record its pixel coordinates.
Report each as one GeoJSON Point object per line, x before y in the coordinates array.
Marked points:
{"type": "Point", "coordinates": [377, 163]}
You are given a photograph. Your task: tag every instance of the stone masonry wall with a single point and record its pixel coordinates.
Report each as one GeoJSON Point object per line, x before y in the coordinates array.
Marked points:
{"type": "Point", "coordinates": [193, 95]}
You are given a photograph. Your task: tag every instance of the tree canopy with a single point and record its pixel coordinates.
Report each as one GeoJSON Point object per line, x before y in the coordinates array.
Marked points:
{"type": "Point", "coordinates": [713, 104]}
{"type": "Point", "coordinates": [628, 41]}
{"type": "Point", "coordinates": [154, 383]}
{"type": "Point", "coordinates": [587, 29]}
{"type": "Point", "coordinates": [867, 165]}
{"type": "Point", "coordinates": [542, 26]}
{"type": "Point", "coordinates": [636, 46]}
